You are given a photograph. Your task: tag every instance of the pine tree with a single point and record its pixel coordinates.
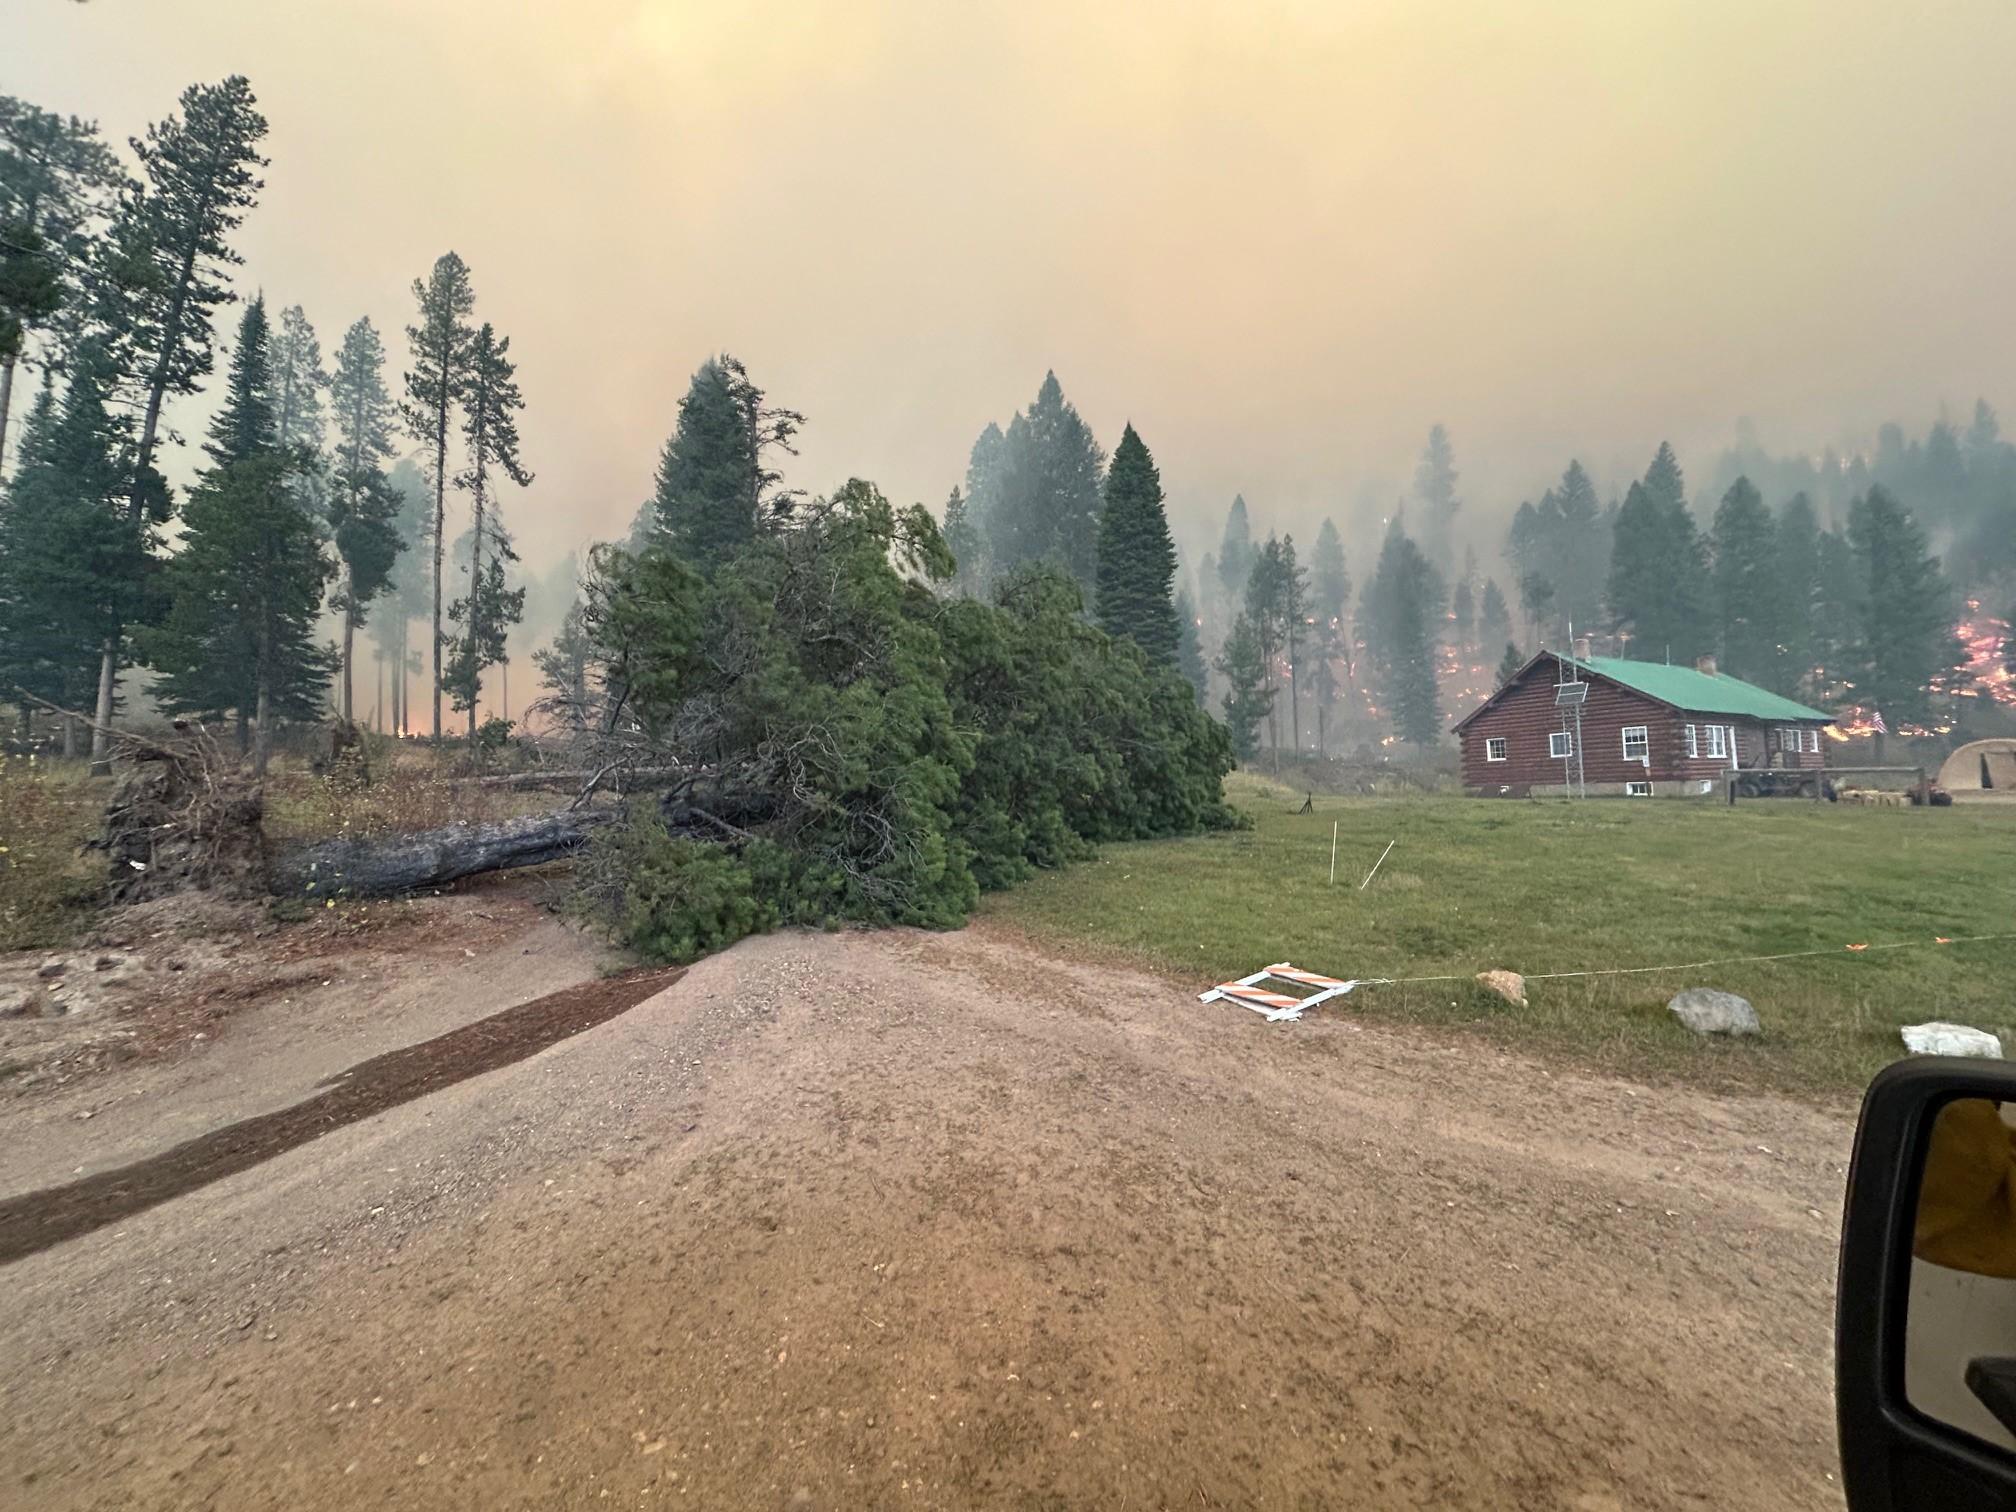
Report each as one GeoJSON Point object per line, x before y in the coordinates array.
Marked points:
{"type": "Point", "coordinates": [1509, 664]}
{"type": "Point", "coordinates": [1582, 551]}
{"type": "Point", "coordinates": [985, 467]}
{"type": "Point", "coordinates": [1294, 607]}
{"type": "Point", "coordinates": [244, 593]}
{"type": "Point", "coordinates": [1796, 569]}
{"type": "Point", "coordinates": [714, 481]}
{"type": "Point", "coordinates": [1463, 615]}
{"type": "Point", "coordinates": [1330, 580]}
{"type": "Point", "coordinates": [244, 425]}
{"type": "Point", "coordinates": [1658, 585]}
{"type": "Point", "coordinates": [1266, 616]}
{"type": "Point", "coordinates": [202, 177]}
{"type": "Point", "coordinates": [491, 402]}
{"type": "Point", "coordinates": [1049, 504]}
{"type": "Point", "coordinates": [1494, 616]}
{"type": "Point", "coordinates": [56, 184]}
{"type": "Point", "coordinates": [1249, 695]}
{"type": "Point", "coordinates": [1905, 650]}
{"type": "Point", "coordinates": [1401, 611]}
{"type": "Point", "coordinates": [1435, 486]}
{"type": "Point", "coordinates": [298, 383]}
{"type": "Point", "coordinates": [1236, 553]}
{"type": "Point", "coordinates": [72, 573]}
{"type": "Point", "coordinates": [407, 596]}
{"type": "Point", "coordinates": [363, 507]}
{"type": "Point", "coordinates": [962, 539]}
{"type": "Point", "coordinates": [567, 674]}
{"type": "Point", "coordinates": [1749, 594]}
{"type": "Point", "coordinates": [1137, 559]}
{"type": "Point", "coordinates": [1189, 647]}
{"type": "Point", "coordinates": [439, 345]}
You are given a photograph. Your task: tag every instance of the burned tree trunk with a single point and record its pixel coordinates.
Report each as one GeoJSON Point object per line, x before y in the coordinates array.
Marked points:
{"type": "Point", "coordinates": [394, 864]}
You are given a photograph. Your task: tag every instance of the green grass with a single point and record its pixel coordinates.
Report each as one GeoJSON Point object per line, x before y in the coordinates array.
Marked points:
{"type": "Point", "coordinates": [1552, 886]}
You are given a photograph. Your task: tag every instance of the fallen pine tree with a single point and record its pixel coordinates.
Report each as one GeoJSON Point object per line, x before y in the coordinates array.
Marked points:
{"type": "Point", "coordinates": [389, 865]}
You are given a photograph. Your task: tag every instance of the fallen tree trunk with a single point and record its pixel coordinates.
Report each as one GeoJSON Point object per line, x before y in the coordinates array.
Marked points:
{"type": "Point", "coordinates": [619, 779]}
{"type": "Point", "coordinates": [394, 864]}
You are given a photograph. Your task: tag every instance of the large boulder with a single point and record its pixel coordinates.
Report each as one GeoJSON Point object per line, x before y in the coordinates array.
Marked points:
{"type": "Point", "coordinates": [1509, 985]}
{"type": "Point", "coordinates": [1951, 1039]}
{"type": "Point", "coordinates": [1707, 1011]}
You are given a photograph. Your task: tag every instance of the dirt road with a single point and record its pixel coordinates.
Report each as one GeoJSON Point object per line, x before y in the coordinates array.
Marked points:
{"type": "Point", "coordinates": [934, 1221]}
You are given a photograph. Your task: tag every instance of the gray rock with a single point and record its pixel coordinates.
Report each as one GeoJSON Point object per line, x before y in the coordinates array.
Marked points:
{"type": "Point", "coordinates": [19, 1002]}
{"type": "Point", "coordinates": [1707, 1011]}
{"type": "Point", "coordinates": [52, 968]}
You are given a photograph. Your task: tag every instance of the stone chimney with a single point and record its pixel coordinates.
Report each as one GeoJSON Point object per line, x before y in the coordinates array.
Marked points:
{"type": "Point", "coordinates": [1581, 651]}
{"type": "Point", "coordinates": [1705, 664]}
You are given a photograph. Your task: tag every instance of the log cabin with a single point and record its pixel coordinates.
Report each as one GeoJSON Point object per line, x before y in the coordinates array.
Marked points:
{"type": "Point", "coordinates": [1646, 730]}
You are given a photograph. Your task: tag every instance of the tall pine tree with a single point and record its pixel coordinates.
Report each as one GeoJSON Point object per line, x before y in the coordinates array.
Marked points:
{"type": "Point", "coordinates": [1658, 586]}
{"type": "Point", "coordinates": [56, 184]}
{"type": "Point", "coordinates": [201, 172]}
{"type": "Point", "coordinates": [491, 401]}
{"type": "Point", "coordinates": [1249, 691]}
{"type": "Point", "coordinates": [714, 478]}
{"type": "Point", "coordinates": [439, 346]}
{"type": "Point", "coordinates": [363, 506]}
{"type": "Point", "coordinates": [1401, 611]}
{"type": "Point", "coordinates": [1749, 595]}
{"type": "Point", "coordinates": [1137, 559]}
{"type": "Point", "coordinates": [1794, 670]}
{"type": "Point", "coordinates": [1236, 552]}
{"type": "Point", "coordinates": [1049, 503]}
{"type": "Point", "coordinates": [1435, 486]}
{"type": "Point", "coordinates": [245, 589]}
{"type": "Point", "coordinates": [1905, 650]}
{"type": "Point", "coordinates": [1190, 646]}
{"type": "Point", "coordinates": [72, 573]}
{"type": "Point", "coordinates": [298, 383]}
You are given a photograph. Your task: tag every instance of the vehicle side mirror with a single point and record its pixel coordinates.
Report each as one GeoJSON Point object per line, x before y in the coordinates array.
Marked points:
{"type": "Point", "coordinates": [1925, 1312]}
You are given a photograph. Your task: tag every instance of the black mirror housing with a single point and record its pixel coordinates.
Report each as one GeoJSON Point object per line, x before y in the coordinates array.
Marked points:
{"type": "Point", "coordinates": [1894, 1457]}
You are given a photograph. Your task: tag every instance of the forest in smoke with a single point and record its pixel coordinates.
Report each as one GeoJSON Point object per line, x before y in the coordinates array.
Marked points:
{"type": "Point", "coordinates": [342, 539]}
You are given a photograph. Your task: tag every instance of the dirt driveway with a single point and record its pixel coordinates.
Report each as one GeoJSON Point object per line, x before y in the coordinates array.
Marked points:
{"type": "Point", "coordinates": [922, 1221]}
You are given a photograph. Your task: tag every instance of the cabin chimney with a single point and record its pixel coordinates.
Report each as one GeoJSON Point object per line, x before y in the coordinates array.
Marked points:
{"type": "Point", "coordinates": [1582, 648]}
{"type": "Point", "coordinates": [1705, 664]}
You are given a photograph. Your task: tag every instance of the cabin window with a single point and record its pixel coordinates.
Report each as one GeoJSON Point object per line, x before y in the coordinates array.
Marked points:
{"type": "Point", "coordinates": [1693, 743]}
{"type": "Point", "coordinates": [1561, 744]}
{"type": "Point", "coordinates": [1812, 742]}
{"type": "Point", "coordinates": [1637, 743]}
{"type": "Point", "coordinates": [1717, 742]}
{"type": "Point", "coordinates": [1790, 739]}
{"type": "Point", "coordinates": [1637, 790]}
{"type": "Point", "coordinates": [1494, 748]}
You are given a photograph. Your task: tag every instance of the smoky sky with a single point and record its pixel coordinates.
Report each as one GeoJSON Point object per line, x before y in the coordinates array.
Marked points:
{"type": "Point", "coordinates": [1281, 239]}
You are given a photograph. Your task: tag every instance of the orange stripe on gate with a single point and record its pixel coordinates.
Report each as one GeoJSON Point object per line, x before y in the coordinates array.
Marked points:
{"type": "Point", "coordinates": [1307, 978]}
{"type": "Point", "coordinates": [1255, 995]}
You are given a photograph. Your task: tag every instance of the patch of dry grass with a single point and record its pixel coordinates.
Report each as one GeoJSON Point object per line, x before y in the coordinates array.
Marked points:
{"type": "Point", "coordinates": [48, 886]}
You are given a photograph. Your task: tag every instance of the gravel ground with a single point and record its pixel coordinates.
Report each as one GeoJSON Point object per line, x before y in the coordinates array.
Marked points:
{"type": "Point", "coordinates": [937, 1221]}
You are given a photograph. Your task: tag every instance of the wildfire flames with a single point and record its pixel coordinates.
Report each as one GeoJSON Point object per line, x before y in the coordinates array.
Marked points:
{"type": "Point", "coordinates": [1985, 675]}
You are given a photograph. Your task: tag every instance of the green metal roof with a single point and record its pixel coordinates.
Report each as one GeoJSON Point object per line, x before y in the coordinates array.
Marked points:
{"type": "Point", "coordinates": [1698, 692]}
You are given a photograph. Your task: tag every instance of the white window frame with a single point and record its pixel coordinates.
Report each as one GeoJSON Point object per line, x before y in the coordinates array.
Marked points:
{"type": "Point", "coordinates": [1693, 743]}
{"type": "Point", "coordinates": [1561, 745]}
{"type": "Point", "coordinates": [1718, 743]}
{"type": "Point", "coordinates": [1638, 789]}
{"type": "Point", "coordinates": [1812, 746]}
{"type": "Point", "coordinates": [1501, 742]}
{"type": "Point", "coordinates": [1644, 736]}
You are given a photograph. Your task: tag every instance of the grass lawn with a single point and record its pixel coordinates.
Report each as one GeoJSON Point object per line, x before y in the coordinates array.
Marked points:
{"type": "Point", "coordinates": [1558, 886]}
